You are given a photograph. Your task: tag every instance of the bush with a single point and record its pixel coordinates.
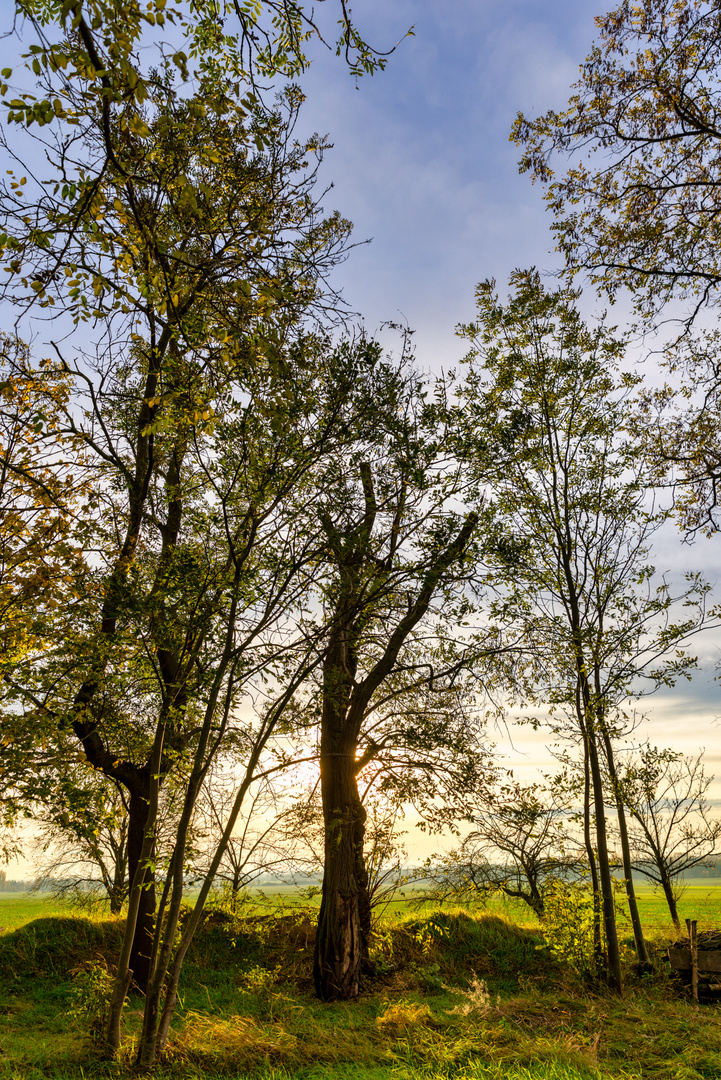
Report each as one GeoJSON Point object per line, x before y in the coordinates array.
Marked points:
{"type": "Point", "coordinates": [568, 926]}
{"type": "Point", "coordinates": [90, 1000]}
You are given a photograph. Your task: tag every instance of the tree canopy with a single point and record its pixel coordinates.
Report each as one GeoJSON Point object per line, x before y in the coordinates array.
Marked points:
{"type": "Point", "coordinates": [639, 205]}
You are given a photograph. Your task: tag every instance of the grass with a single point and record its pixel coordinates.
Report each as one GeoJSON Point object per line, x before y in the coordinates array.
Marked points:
{"type": "Point", "coordinates": [16, 909]}
{"type": "Point", "coordinates": [248, 1012]}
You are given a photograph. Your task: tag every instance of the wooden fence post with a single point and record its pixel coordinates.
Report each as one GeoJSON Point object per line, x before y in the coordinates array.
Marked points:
{"type": "Point", "coordinates": [691, 926]}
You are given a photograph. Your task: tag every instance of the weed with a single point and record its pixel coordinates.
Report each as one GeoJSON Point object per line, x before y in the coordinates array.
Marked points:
{"type": "Point", "coordinates": [90, 1000]}
{"type": "Point", "coordinates": [401, 1014]}
{"type": "Point", "coordinates": [476, 998]}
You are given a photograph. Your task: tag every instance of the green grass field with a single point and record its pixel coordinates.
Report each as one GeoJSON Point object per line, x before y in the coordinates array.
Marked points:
{"type": "Point", "coordinates": [456, 997]}
{"type": "Point", "coordinates": [16, 909]}
{"type": "Point", "coordinates": [701, 900]}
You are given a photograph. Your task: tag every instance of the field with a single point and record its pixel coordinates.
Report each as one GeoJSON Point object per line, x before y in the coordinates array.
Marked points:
{"type": "Point", "coordinates": [456, 996]}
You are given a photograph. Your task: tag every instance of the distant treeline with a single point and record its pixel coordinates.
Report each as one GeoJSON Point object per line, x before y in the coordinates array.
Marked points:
{"type": "Point", "coordinates": [704, 870]}
{"type": "Point", "coordinates": [14, 886]}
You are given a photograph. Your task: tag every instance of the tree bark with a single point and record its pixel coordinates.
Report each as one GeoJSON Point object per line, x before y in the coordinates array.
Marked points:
{"type": "Point", "coordinates": [671, 901]}
{"type": "Point", "coordinates": [591, 856]}
{"type": "Point", "coordinates": [143, 937]}
{"type": "Point", "coordinates": [641, 949]}
{"type": "Point", "coordinates": [604, 867]}
{"type": "Point", "coordinates": [341, 947]}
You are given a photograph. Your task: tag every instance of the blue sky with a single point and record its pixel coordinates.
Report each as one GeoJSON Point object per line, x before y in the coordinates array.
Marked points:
{"type": "Point", "coordinates": [422, 163]}
{"type": "Point", "coordinates": [423, 166]}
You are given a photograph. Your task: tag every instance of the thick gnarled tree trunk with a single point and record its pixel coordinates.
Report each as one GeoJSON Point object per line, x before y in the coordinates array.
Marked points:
{"type": "Point", "coordinates": [341, 948]}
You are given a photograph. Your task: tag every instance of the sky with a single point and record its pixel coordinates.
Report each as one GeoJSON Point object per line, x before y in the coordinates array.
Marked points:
{"type": "Point", "coordinates": [422, 164]}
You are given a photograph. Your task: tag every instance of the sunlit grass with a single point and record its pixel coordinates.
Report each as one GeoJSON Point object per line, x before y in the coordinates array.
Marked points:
{"type": "Point", "coordinates": [18, 908]}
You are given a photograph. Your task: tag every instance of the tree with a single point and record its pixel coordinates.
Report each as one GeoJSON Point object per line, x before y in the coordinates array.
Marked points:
{"type": "Point", "coordinates": [541, 419]}
{"type": "Point", "coordinates": [639, 207]}
{"type": "Point", "coordinates": [205, 409]}
{"type": "Point", "coordinates": [182, 225]}
{"type": "Point", "coordinates": [353, 405]}
{"type": "Point", "coordinates": [518, 846]}
{"type": "Point", "coordinates": [394, 545]}
{"type": "Point", "coordinates": [673, 829]}
{"type": "Point", "coordinates": [260, 845]}
{"type": "Point", "coordinates": [195, 287]}
{"type": "Point", "coordinates": [83, 839]}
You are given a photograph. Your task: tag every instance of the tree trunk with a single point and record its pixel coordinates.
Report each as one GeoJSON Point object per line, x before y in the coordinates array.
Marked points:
{"type": "Point", "coordinates": [641, 950]}
{"type": "Point", "coordinates": [604, 867]}
{"type": "Point", "coordinates": [341, 947]}
{"type": "Point", "coordinates": [144, 927]}
{"type": "Point", "coordinates": [535, 902]}
{"type": "Point", "coordinates": [588, 843]}
{"type": "Point", "coordinates": [671, 901]}
{"type": "Point", "coordinates": [124, 973]}
{"type": "Point", "coordinates": [120, 884]}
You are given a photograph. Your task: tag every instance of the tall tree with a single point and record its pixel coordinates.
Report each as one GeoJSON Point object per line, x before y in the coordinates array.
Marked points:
{"type": "Point", "coordinates": [638, 209]}
{"type": "Point", "coordinates": [394, 545]}
{"type": "Point", "coordinates": [195, 257]}
{"type": "Point", "coordinates": [542, 417]}
{"type": "Point", "coordinates": [181, 223]}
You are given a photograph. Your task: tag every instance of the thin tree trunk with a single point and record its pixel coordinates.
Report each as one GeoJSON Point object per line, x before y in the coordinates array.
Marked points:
{"type": "Point", "coordinates": [174, 968]}
{"type": "Point", "coordinates": [604, 868]}
{"type": "Point", "coordinates": [121, 872]}
{"type": "Point", "coordinates": [586, 707]}
{"type": "Point", "coordinates": [145, 924]}
{"type": "Point", "coordinates": [588, 842]}
{"type": "Point", "coordinates": [641, 947]}
{"type": "Point", "coordinates": [164, 939]}
{"type": "Point", "coordinates": [191, 926]}
{"type": "Point", "coordinates": [671, 901]}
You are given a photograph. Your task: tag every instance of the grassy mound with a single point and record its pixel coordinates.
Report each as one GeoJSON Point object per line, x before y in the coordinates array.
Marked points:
{"type": "Point", "coordinates": [439, 947]}
{"type": "Point", "coordinates": [54, 946]}
{"type": "Point", "coordinates": [443, 946]}
{"type": "Point", "coordinates": [487, 945]}
{"type": "Point", "coordinates": [455, 996]}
